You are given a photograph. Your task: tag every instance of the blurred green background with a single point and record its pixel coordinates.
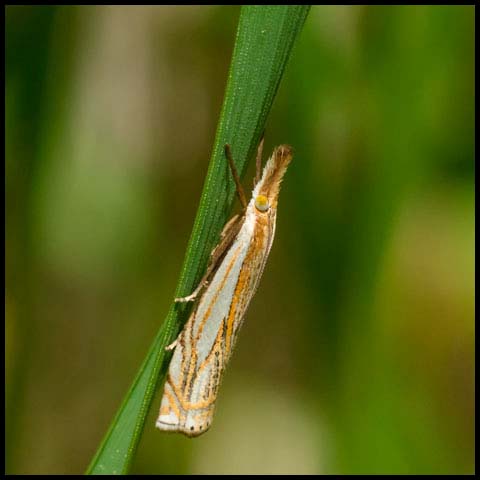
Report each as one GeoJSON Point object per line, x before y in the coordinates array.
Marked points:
{"type": "Point", "coordinates": [357, 354]}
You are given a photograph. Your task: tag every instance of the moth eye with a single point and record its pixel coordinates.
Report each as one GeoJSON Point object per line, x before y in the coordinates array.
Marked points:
{"type": "Point", "coordinates": [261, 203]}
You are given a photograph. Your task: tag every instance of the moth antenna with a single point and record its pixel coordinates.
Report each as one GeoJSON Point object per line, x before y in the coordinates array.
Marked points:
{"type": "Point", "coordinates": [236, 178]}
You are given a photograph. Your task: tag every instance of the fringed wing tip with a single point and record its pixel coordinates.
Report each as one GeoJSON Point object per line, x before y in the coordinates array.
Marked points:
{"type": "Point", "coordinates": [193, 431]}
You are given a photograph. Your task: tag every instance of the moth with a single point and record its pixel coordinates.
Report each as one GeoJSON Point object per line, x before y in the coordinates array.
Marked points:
{"type": "Point", "coordinates": [205, 344]}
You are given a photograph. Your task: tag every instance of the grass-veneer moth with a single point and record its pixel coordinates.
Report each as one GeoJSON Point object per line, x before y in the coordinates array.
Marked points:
{"type": "Point", "coordinates": [205, 344]}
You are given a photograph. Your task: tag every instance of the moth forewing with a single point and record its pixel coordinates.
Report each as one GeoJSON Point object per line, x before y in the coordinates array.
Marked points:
{"type": "Point", "coordinates": [205, 344]}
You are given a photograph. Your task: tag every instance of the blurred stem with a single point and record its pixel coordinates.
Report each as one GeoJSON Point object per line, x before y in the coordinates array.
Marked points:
{"type": "Point", "coordinates": [265, 37]}
{"type": "Point", "coordinates": [27, 83]}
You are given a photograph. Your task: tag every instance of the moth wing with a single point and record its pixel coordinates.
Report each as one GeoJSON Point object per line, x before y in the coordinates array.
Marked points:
{"type": "Point", "coordinates": [197, 363]}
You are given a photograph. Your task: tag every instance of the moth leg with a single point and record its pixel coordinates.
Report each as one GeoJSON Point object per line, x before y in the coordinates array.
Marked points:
{"type": "Point", "coordinates": [172, 345]}
{"type": "Point", "coordinates": [228, 229]}
{"type": "Point", "coordinates": [194, 294]}
{"type": "Point", "coordinates": [227, 236]}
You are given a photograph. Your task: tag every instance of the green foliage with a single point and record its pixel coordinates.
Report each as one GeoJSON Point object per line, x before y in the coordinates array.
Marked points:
{"type": "Point", "coordinates": [265, 37]}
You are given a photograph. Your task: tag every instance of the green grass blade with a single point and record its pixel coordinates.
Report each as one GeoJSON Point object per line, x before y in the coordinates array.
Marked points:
{"type": "Point", "coordinates": [265, 37]}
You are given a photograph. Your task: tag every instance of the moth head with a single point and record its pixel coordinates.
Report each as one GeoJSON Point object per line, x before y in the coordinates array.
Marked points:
{"type": "Point", "coordinates": [269, 185]}
{"type": "Point", "coordinates": [261, 203]}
